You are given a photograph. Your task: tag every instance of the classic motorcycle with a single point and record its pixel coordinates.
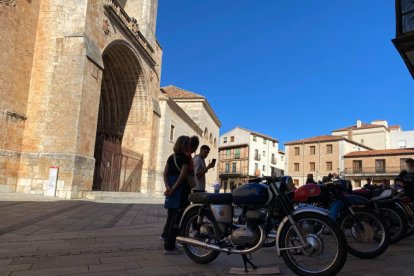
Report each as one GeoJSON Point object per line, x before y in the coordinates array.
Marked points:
{"type": "Point", "coordinates": [366, 233]}
{"type": "Point", "coordinates": [388, 203]}
{"type": "Point", "coordinates": [207, 228]}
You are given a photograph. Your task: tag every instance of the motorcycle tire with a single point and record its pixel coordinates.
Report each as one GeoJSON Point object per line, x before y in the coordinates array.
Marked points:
{"type": "Point", "coordinates": [373, 222]}
{"type": "Point", "coordinates": [288, 238]}
{"type": "Point", "coordinates": [187, 223]}
{"type": "Point", "coordinates": [410, 229]}
{"type": "Point", "coordinates": [396, 222]}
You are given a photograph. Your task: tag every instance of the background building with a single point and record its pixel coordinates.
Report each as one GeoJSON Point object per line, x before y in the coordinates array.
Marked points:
{"type": "Point", "coordinates": [318, 155]}
{"type": "Point", "coordinates": [186, 113]}
{"type": "Point", "coordinates": [245, 154]}
{"type": "Point", "coordinates": [380, 165]}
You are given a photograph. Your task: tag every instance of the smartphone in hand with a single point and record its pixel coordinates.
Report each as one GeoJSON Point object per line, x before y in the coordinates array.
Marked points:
{"type": "Point", "coordinates": [213, 162]}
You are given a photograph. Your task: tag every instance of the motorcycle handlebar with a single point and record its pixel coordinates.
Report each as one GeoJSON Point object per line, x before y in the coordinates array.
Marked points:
{"type": "Point", "coordinates": [270, 179]}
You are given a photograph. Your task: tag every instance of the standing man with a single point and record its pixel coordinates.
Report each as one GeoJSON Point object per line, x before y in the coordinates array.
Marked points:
{"type": "Point", "coordinates": [310, 179]}
{"type": "Point", "coordinates": [201, 169]}
{"type": "Point", "coordinates": [407, 177]}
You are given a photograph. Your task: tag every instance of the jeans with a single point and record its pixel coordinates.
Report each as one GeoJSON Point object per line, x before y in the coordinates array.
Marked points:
{"type": "Point", "coordinates": [171, 228]}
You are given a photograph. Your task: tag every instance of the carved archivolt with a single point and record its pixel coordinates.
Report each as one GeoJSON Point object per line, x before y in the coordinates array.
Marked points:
{"type": "Point", "coordinates": [8, 2]}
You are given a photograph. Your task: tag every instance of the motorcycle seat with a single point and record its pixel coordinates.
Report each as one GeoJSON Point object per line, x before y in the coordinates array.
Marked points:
{"type": "Point", "coordinates": [384, 194]}
{"type": "Point", "coordinates": [210, 198]}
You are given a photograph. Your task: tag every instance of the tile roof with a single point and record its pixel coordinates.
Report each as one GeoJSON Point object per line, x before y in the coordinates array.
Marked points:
{"type": "Point", "coordinates": [259, 134]}
{"type": "Point", "coordinates": [395, 127]}
{"type": "Point", "coordinates": [175, 92]}
{"type": "Point", "coordinates": [324, 138]}
{"type": "Point", "coordinates": [363, 126]}
{"type": "Point", "coordinates": [380, 152]}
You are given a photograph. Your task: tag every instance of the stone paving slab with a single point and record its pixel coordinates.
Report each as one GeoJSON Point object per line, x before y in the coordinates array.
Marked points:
{"type": "Point", "coordinates": [90, 238]}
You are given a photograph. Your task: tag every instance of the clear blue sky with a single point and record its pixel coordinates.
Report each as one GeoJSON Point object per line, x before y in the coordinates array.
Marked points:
{"type": "Point", "coordinates": [290, 69]}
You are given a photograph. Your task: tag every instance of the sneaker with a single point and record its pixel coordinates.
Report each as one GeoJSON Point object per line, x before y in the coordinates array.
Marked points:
{"type": "Point", "coordinates": [162, 238]}
{"type": "Point", "coordinates": [178, 245]}
{"type": "Point", "coordinates": [173, 251]}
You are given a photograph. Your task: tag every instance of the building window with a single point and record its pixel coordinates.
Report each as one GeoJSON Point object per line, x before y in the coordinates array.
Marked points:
{"type": "Point", "coordinates": [362, 141]}
{"type": "Point", "coordinates": [264, 153]}
{"type": "Point", "coordinates": [273, 160]}
{"type": "Point", "coordinates": [297, 151]}
{"type": "Point", "coordinates": [296, 167]}
{"type": "Point", "coordinates": [402, 144]}
{"type": "Point", "coordinates": [312, 150]}
{"type": "Point", "coordinates": [256, 166]}
{"type": "Point", "coordinates": [172, 127]}
{"type": "Point", "coordinates": [281, 157]}
{"type": "Point", "coordinates": [225, 140]}
{"type": "Point", "coordinates": [254, 138]}
{"type": "Point", "coordinates": [228, 153]}
{"type": "Point", "coordinates": [206, 133]}
{"type": "Point", "coordinates": [296, 182]}
{"type": "Point", "coordinates": [227, 170]}
{"type": "Point", "coordinates": [264, 168]}
{"type": "Point", "coordinates": [234, 167]}
{"type": "Point", "coordinates": [256, 155]}
{"type": "Point", "coordinates": [211, 138]}
{"type": "Point", "coordinates": [329, 166]}
{"type": "Point", "coordinates": [380, 165]}
{"type": "Point", "coordinates": [264, 141]}
{"type": "Point", "coordinates": [237, 153]}
{"type": "Point", "coordinates": [312, 166]}
{"type": "Point", "coordinates": [357, 166]}
{"type": "Point", "coordinates": [328, 149]}
{"type": "Point", "coordinates": [231, 138]}
{"type": "Point", "coordinates": [274, 144]}
{"type": "Point", "coordinates": [215, 142]}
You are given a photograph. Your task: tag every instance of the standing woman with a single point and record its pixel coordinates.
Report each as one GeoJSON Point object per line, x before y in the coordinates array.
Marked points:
{"type": "Point", "coordinates": [176, 190]}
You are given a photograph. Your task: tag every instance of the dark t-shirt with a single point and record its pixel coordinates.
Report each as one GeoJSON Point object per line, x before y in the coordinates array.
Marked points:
{"type": "Point", "coordinates": [408, 180]}
{"type": "Point", "coordinates": [181, 159]}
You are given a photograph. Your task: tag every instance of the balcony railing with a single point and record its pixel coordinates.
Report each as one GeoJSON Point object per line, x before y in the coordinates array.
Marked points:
{"type": "Point", "coordinates": [232, 172]}
{"type": "Point", "coordinates": [273, 161]}
{"type": "Point", "coordinates": [372, 170]}
{"type": "Point", "coordinates": [257, 157]}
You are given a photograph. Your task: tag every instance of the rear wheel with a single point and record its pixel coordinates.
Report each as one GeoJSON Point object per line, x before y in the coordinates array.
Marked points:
{"type": "Point", "coordinates": [395, 221]}
{"type": "Point", "coordinates": [365, 232]}
{"type": "Point", "coordinates": [196, 253]}
{"type": "Point", "coordinates": [326, 252]}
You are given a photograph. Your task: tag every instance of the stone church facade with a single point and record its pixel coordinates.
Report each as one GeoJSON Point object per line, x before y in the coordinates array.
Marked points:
{"type": "Point", "coordinates": [79, 90]}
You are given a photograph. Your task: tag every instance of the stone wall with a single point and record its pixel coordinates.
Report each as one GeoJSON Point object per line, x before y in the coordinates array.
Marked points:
{"type": "Point", "coordinates": [19, 23]}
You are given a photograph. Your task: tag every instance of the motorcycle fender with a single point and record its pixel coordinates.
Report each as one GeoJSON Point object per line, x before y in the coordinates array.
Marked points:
{"type": "Point", "coordinates": [295, 212]}
{"type": "Point", "coordinates": [188, 209]}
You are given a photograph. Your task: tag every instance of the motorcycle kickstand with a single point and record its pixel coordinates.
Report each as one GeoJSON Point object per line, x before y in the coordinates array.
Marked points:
{"type": "Point", "coordinates": [247, 261]}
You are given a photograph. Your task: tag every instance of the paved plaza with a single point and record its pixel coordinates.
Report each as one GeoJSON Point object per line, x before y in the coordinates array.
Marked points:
{"type": "Point", "coordinates": [43, 236]}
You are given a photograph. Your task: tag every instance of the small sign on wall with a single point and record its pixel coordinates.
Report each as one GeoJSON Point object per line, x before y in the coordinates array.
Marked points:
{"type": "Point", "coordinates": [52, 182]}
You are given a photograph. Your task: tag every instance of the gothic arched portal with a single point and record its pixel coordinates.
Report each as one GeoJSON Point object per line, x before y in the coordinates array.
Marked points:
{"type": "Point", "coordinates": [123, 101]}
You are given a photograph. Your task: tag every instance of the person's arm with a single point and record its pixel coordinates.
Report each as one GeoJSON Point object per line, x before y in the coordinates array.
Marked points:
{"type": "Point", "coordinates": [181, 178]}
{"type": "Point", "coordinates": [199, 170]}
{"type": "Point", "coordinates": [167, 186]}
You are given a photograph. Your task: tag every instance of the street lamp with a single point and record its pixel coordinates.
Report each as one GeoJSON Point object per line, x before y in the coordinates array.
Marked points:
{"type": "Point", "coordinates": [404, 41]}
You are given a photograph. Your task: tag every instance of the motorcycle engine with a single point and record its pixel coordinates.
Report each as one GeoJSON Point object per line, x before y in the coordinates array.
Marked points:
{"type": "Point", "coordinates": [245, 236]}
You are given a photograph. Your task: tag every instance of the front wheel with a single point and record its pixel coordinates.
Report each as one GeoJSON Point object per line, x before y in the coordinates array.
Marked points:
{"type": "Point", "coordinates": [396, 222]}
{"type": "Point", "coordinates": [365, 233]}
{"type": "Point", "coordinates": [198, 254]}
{"type": "Point", "coordinates": [325, 253]}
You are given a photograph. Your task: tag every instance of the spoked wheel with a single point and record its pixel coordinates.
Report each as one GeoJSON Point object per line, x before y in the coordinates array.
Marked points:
{"type": "Point", "coordinates": [196, 253]}
{"type": "Point", "coordinates": [410, 219]}
{"type": "Point", "coordinates": [395, 221]}
{"type": "Point", "coordinates": [365, 232]}
{"type": "Point", "coordinates": [325, 252]}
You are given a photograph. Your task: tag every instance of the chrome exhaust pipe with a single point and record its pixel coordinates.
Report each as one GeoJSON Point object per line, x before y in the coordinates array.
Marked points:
{"type": "Point", "coordinates": [228, 251]}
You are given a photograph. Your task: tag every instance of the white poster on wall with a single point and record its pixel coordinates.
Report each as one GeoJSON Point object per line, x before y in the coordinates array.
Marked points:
{"type": "Point", "coordinates": [52, 182]}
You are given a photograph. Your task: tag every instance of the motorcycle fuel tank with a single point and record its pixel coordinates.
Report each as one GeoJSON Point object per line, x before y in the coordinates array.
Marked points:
{"type": "Point", "coordinates": [252, 194]}
{"type": "Point", "coordinates": [307, 193]}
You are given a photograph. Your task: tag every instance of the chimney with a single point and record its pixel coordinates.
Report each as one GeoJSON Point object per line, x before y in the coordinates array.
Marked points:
{"type": "Point", "coordinates": [359, 123]}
